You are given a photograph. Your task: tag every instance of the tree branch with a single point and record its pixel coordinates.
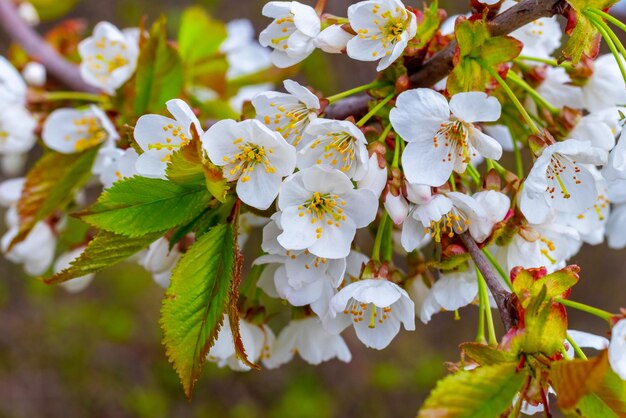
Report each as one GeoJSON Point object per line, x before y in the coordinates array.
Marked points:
{"type": "Point", "coordinates": [441, 64]}
{"type": "Point", "coordinates": [501, 296]}
{"type": "Point", "coordinates": [21, 33]}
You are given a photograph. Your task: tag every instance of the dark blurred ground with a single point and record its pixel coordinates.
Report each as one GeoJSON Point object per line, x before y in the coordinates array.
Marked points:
{"type": "Point", "coordinates": [98, 353]}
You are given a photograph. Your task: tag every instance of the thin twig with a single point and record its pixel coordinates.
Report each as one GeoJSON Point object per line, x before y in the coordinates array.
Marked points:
{"type": "Point", "coordinates": [500, 295]}
{"type": "Point", "coordinates": [24, 35]}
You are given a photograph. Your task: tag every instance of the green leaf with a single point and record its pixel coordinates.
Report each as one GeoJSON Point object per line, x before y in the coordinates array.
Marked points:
{"type": "Point", "coordinates": [159, 75]}
{"type": "Point", "coordinates": [138, 206]}
{"type": "Point", "coordinates": [486, 355]}
{"type": "Point", "coordinates": [589, 388]}
{"type": "Point", "coordinates": [195, 303]}
{"type": "Point", "coordinates": [199, 40]}
{"type": "Point", "coordinates": [104, 250]}
{"type": "Point", "coordinates": [584, 37]}
{"type": "Point", "coordinates": [50, 186]}
{"type": "Point", "coordinates": [429, 25]}
{"type": "Point", "coordinates": [487, 391]}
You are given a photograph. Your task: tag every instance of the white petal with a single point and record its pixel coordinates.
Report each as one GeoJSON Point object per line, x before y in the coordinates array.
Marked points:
{"type": "Point", "coordinates": [475, 107]}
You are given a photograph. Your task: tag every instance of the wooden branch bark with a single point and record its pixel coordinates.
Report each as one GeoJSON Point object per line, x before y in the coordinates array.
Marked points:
{"type": "Point", "coordinates": [501, 296]}
{"type": "Point", "coordinates": [441, 64]}
{"type": "Point", "coordinates": [56, 66]}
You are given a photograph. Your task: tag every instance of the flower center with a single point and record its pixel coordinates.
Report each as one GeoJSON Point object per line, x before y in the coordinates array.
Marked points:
{"type": "Point", "coordinates": [599, 207]}
{"type": "Point", "coordinates": [453, 135]}
{"type": "Point", "coordinates": [170, 143]}
{"type": "Point", "coordinates": [316, 262]}
{"type": "Point", "coordinates": [249, 156]}
{"type": "Point", "coordinates": [359, 311]}
{"type": "Point", "coordinates": [452, 222]}
{"type": "Point", "coordinates": [323, 208]}
{"type": "Point", "coordinates": [89, 131]}
{"type": "Point", "coordinates": [560, 172]}
{"type": "Point", "coordinates": [338, 149]}
{"type": "Point", "coordinates": [288, 27]}
{"type": "Point", "coordinates": [290, 121]}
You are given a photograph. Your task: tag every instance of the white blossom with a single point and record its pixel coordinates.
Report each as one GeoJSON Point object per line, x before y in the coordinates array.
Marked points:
{"type": "Point", "coordinates": [617, 349]}
{"type": "Point", "coordinates": [243, 52]}
{"type": "Point", "coordinates": [12, 86]}
{"type": "Point", "coordinates": [321, 211]}
{"type": "Point", "coordinates": [292, 32]}
{"type": "Point", "coordinates": [160, 260]}
{"type": "Point", "coordinates": [605, 88]}
{"type": "Point", "coordinates": [109, 56]}
{"type": "Point", "coordinates": [375, 178]}
{"type": "Point", "coordinates": [540, 37]}
{"type": "Point", "coordinates": [442, 137]}
{"type": "Point", "coordinates": [333, 40]}
{"type": "Point", "coordinates": [253, 155]}
{"type": "Point", "coordinates": [383, 27]}
{"type": "Point", "coordinates": [35, 74]}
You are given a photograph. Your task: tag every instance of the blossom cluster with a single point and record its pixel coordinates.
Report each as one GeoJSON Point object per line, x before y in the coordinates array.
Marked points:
{"type": "Point", "coordinates": [339, 202]}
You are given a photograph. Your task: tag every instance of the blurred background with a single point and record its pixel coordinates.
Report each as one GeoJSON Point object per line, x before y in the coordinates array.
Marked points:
{"type": "Point", "coordinates": [98, 353]}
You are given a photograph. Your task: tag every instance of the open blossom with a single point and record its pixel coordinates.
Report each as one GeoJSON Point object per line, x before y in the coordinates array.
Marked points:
{"type": "Point", "coordinates": [160, 260]}
{"type": "Point", "coordinates": [376, 308]}
{"type": "Point", "coordinates": [375, 177]}
{"type": "Point", "coordinates": [333, 40]}
{"type": "Point", "coordinates": [617, 349]}
{"type": "Point", "coordinates": [450, 214]}
{"type": "Point", "coordinates": [300, 277]}
{"type": "Point", "coordinates": [159, 136]}
{"type": "Point", "coordinates": [321, 211]}
{"type": "Point", "coordinates": [450, 292]}
{"type": "Point", "coordinates": [69, 130]}
{"type": "Point", "coordinates": [540, 37]}
{"type": "Point", "coordinates": [243, 52]}
{"type": "Point", "coordinates": [340, 144]}
{"type": "Point", "coordinates": [598, 128]}
{"type": "Point", "coordinates": [17, 130]}
{"type": "Point", "coordinates": [292, 32]}
{"type": "Point", "coordinates": [114, 164]}
{"type": "Point", "coordinates": [12, 86]}
{"type": "Point", "coordinates": [616, 224]}
{"type": "Point", "coordinates": [616, 165]}
{"type": "Point", "coordinates": [311, 341]}
{"type": "Point", "coordinates": [605, 88]}
{"type": "Point", "coordinates": [442, 137]}
{"type": "Point", "coordinates": [287, 113]}
{"type": "Point", "coordinates": [384, 29]}
{"type": "Point", "coordinates": [257, 341]}
{"type": "Point", "coordinates": [109, 56]}
{"type": "Point", "coordinates": [253, 155]}
{"type": "Point", "coordinates": [560, 181]}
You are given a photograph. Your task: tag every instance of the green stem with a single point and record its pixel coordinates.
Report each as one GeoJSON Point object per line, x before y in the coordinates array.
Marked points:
{"type": "Point", "coordinates": [359, 89]}
{"type": "Point", "coordinates": [548, 61]}
{"type": "Point", "coordinates": [452, 182]}
{"type": "Point", "coordinates": [395, 163]}
{"type": "Point", "coordinates": [387, 248]}
{"type": "Point", "coordinates": [608, 17]}
{"type": "Point", "coordinates": [75, 95]}
{"type": "Point", "coordinates": [576, 348]}
{"type": "Point", "coordinates": [480, 332]}
{"type": "Point", "coordinates": [484, 298]}
{"type": "Point", "coordinates": [474, 174]}
{"type": "Point", "coordinates": [538, 98]}
{"type": "Point", "coordinates": [379, 237]}
{"type": "Point", "coordinates": [611, 39]}
{"type": "Point", "coordinates": [585, 308]}
{"type": "Point", "coordinates": [374, 110]}
{"type": "Point", "coordinates": [512, 96]}
{"type": "Point", "coordinates": [498, 268]}
{"type": "Point", "coordinates": [384, 134]}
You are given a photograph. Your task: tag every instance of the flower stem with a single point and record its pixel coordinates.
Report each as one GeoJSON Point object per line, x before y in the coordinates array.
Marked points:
{"type": "Point", "coordinates": [359, 89]}
{"type": "Point", "coordinates": [498, 268]}
{"type": "Point", "coordinates": [483, 297]}
{"type": "Point", "coordinates": [576, 348]}
{"type": "Point", "coordinates": [374, 110]}
{"type": "Point", "coordinates": [395, 163]}
{"type": "Point", "coordinates": [608, 17]}
{"type": "Point", "coordinates": [474, 174]}
{"type": "Point", "coordinates": [512, 96]}
{"type": "Point", "coordinates": [611, 40]}
{"type": "Point", "coordinates": [547, 61]}
{"type": "Point", "coordinates": [538, 98]}
{"type": "Point", "coordinates": [75, 95]}
{"type": "Point", "coordinates": [585, 308]}
{"type": "Point", "coordinates": [379, 237]}
{"type": "Point", "coordinates": [384, 134]}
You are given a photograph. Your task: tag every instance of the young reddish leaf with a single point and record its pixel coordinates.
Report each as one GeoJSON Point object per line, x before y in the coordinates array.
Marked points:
{"type": "Point", "coordinates": [195, 303]}
{"type": "Point", "coordinates": [50, 186]}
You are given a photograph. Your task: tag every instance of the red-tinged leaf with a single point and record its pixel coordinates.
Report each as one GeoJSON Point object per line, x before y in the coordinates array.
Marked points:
{"type": "Point", "coordinates": [574, 379]}
{"type": "Point", "coordinates": [50, 186]}
{"type": "Point", "coordinates": [487, 355]}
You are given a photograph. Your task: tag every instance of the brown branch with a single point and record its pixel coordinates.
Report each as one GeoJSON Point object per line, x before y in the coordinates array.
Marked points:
{"type": "Point", "coordinates": [22, 34]}
{"type": "Point", "coordinates": [441, 64]}
{"type": "Point", "coordinates": [501, 296]}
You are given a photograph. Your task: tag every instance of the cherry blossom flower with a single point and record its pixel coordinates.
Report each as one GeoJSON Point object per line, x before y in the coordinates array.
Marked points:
{"type": "Point", "coordinates": [12, 86]}
{"type": "Point", "coordinates": [442, 137]}
{"type": "Point", "coordinates": [159, 136]}
{"type": "Point", "coordinates": [541, 37]}
{"type": "Point", "coordinates": [243, 52]}
{"type": "Point", "coordinates": [113, 164]}
{"type": "Point", "coordinates": [257, 341]}
{"type": "Point", "coordinates": [397, 207]}
{"type": "Point", "coordinates": [605, 88]}
{"type": "Point", "coordinates": [615, 226]}
{"type": "Point", "coordinates": [333, 40]}
{"type": "Point", "coordinates": [109, 56]}
{"type": "Point", "coordinates": [616, 165]}
{"type": "Point", "coordinates": [560, 181]}
{"type": "Point", "coordinates": [253, 155]}
{"type": "Point", "coordinates": [376, 308]}
{"type": "Point", "coordinates": [383, 27]}
{"type": "Point", "coordinates": [321, 211]}
{"type": "Point", "coordinates": [451, 292]}
{"type": "Point", "coordinates": [340, 144]}
{"type": "Point", "coordinates": [557, 88]}
{"type": "Point", "coordinates": [17, 130]}
{"type": "Point", "coordinates": [160, 260]}
{"type": "Point", "coordinates": [292, 32]}
{"type": "Point", "coordinates": [311, 341]}
{"type": "Point", "coordinates": [34, 74]}
{"type": "Point", "coordinates": [617, 349]}
{"type": "Point", "coordinates": [287, 113]}
{"type": "Point", "coordinates": [69, 130]}
{"type": "Point", "coordinates": [375, 178]}
{"type": "Point", "coordinates": [77, 284]}
{"type": "Point", "coordinates": [598, 128]}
